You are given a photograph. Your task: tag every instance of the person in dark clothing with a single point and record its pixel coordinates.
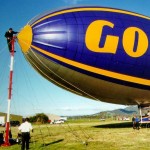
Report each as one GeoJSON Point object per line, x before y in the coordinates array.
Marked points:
{"type": "Point", "coordinates": [137, 124]}
{"type": "Point", "coordinates": [133, 121]}
{"type": "Point", "coordinates": [9, 35]}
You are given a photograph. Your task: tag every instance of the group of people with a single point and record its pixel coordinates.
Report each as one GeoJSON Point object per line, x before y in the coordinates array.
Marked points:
{"type": "Point", "coordinates": [23, 137]}
{"type": "Point", "coordinates": [135, 121]}
{"type": "Point", "coordinates": [25, 127]}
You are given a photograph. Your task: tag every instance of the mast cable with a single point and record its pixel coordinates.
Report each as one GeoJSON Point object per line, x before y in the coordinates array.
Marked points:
{"type": "Point", "coordinates": [66, 82]}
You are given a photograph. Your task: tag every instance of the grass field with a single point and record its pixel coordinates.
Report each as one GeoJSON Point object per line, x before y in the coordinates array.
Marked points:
{"type": "Point", "coordinates": [86, 135]}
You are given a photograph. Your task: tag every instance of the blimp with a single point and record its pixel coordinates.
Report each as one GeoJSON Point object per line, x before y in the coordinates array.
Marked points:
{"type": "Point", "coordinates": [95, 52]}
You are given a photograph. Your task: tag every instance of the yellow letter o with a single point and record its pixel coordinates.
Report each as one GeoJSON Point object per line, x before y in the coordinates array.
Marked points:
{"type": "Point", "coordinates": [129, 41]}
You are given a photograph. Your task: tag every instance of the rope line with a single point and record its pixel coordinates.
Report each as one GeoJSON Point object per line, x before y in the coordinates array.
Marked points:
{"type": "Point", "coordinates": [71, 130]}
{"type": "Point", "coordinates": [29, 85]}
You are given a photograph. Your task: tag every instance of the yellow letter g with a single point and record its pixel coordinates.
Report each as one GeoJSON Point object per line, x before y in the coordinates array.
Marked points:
{"type": "Point", "coordinates": [93, 37]}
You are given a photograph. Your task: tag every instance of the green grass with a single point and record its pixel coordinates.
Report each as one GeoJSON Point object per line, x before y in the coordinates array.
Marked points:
{"type": "Point", "coordinates": [86, 135]}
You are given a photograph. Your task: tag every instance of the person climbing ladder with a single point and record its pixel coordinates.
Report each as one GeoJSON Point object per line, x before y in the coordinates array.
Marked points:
{"type": "Point", "coordinates": [9, 36]}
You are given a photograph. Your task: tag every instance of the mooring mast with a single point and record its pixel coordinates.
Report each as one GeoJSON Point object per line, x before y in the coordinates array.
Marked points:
{"type": "Point", "coordinates": [7, 126]}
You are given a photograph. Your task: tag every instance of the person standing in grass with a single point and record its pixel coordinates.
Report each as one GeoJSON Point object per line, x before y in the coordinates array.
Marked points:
{"type": "Point", "coordinates": [133, 121]}
{"type": "Point", "coordinates": [137, 124]}
{"type": "Point", "coordinates": [25, 129]}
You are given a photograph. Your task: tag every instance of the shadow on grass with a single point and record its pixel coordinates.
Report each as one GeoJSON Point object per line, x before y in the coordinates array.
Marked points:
{"type": "Point", "coordinates": [54, 142]}
{"type": "Point", "coordinates": [115, 125]}
{"type": "Point", "coordinates": [33, 141]}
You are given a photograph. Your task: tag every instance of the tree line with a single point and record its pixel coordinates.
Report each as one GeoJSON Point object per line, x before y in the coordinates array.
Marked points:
{"type": "Point", "coordinates": [39, 118]}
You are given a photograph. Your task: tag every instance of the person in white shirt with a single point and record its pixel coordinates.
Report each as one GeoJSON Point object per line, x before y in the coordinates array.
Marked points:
{"type": "Point", "coordinates": [25, 129]}
{"type": "Point", "coordinates": [148, 113]}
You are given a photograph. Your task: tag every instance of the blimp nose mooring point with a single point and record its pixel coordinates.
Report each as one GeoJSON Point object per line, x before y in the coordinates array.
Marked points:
{"type": "Point", "coordinates": [25, 38]}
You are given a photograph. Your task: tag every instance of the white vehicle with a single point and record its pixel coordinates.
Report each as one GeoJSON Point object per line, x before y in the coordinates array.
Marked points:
{"type": "Point", "coordinates": [58, 121]}
{"type": "Point", "coordinates": [2, 120]}
{"type": "Point", "coordinates": [126, 119]}
{"type": "Point", "coordinates": [102, 119]}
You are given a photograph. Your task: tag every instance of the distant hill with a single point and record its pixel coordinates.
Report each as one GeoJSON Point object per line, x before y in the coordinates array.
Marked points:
{"type": "Point", "coordinates": [126, 111]}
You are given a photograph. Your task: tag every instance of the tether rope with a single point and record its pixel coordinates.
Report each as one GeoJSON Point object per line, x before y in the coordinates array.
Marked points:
{"type": "Point", "coordinates": [73, 132]}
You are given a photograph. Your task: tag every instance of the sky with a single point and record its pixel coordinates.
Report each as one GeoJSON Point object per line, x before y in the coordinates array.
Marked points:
{"type": "Point", "coordinates": [31, 92]}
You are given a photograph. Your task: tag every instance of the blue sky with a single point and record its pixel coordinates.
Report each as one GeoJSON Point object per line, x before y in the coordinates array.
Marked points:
{"type": "Point", "coordinates": [31, 92]}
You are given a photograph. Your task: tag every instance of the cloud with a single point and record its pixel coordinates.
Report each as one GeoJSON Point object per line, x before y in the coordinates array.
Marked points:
{"type": "Point", "coordinates": [72, 1]}
{"type": "Point", "coordinates": [80, 108]}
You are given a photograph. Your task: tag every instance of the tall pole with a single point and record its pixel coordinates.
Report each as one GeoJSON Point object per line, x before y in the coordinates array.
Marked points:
{"type": "Point", "coordinates": [6, 142]}
{"type": "Point", "coordinates": [141, 113]}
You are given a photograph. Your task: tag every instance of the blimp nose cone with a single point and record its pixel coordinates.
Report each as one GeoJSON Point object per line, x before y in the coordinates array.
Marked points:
{"type": "Point", "coordinates": [25, 38]}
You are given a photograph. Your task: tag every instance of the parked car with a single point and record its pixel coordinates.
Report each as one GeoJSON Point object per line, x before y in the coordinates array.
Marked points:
{"type": "Point", "coordinates": [126, 119]}
{"type": "Point", "coordinates": [102, 119]}
{"type": "Point", "coordinates": [58, 121]}
{"type": "Point", "coordinates": [3, 124]}
{"type": "Point", "coordinates": [14, 123]}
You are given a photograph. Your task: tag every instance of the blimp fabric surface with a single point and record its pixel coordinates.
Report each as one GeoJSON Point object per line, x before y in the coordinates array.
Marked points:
{"type": "Point", "coordinates": [64, 35]}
